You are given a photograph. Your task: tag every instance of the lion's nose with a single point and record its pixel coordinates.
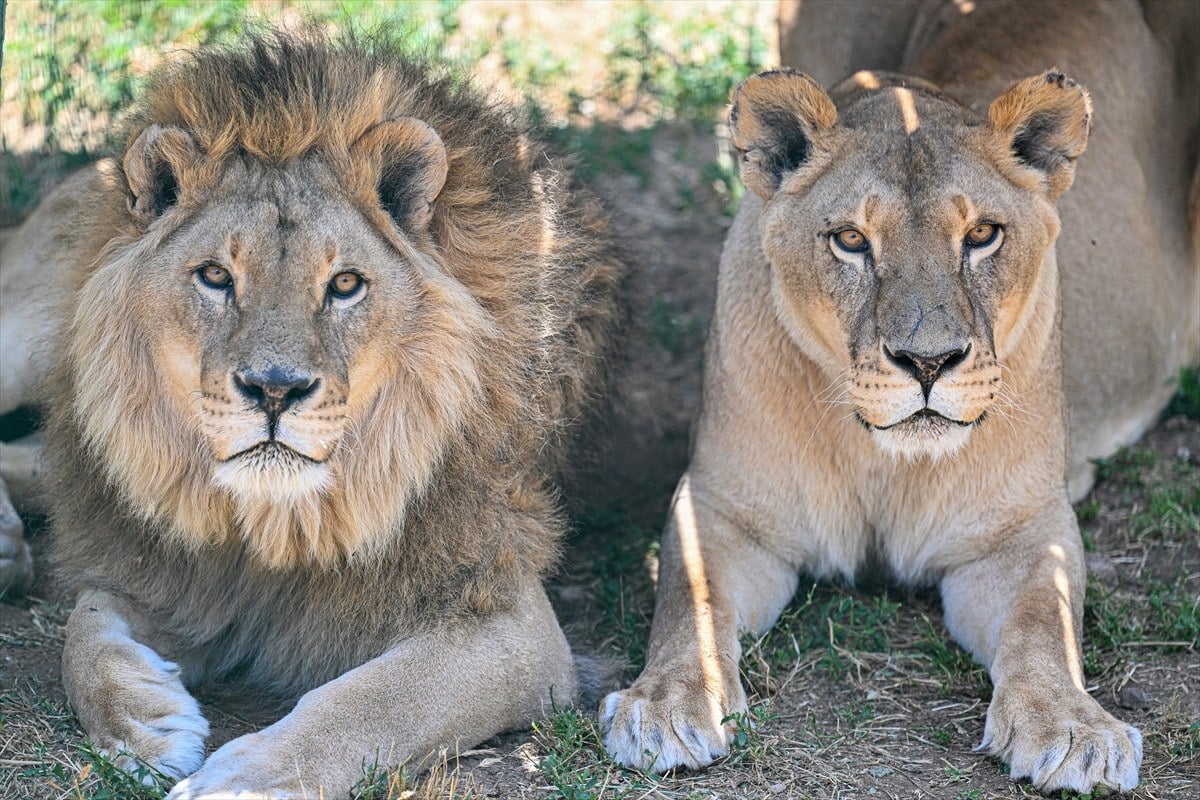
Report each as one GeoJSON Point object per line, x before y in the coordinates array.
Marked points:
{"type": "Point", "coordinates": [926, 368]}
{"type": "Point", "coordinates": [275, 390]}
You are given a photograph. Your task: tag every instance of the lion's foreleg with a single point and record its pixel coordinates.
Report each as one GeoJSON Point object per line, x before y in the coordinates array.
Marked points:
{"type": "Point", "coordinates": [714, 582]}
{"type": "Point", "coordinates": [129, 700]}
{"type": "Point", "coordinates": [445, 689]}
{"type": "Point", "coordinates": [1018, 610]}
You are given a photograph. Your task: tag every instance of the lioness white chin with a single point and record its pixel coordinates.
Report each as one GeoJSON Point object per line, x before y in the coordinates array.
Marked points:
{"type": "Point", "coordinates": [884, 375]}
{"type": "Point", "coordinates": [320, 333]}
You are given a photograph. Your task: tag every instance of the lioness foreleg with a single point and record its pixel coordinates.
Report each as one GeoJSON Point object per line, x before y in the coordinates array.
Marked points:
{"type": "Point", "coordinates": [1018, 610]}
{"type": "Point", "coordinates": [130, 700]}
{"type": "Point", "coordinates": [714, 582]}
{"type": "Point", "coordinates": [447, 688]}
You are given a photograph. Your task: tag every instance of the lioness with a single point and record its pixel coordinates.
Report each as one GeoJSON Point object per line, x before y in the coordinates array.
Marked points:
{"type": "Point", "coordinates": [322, 329]}
{"type": "Point", "coordinates": [885, 369]}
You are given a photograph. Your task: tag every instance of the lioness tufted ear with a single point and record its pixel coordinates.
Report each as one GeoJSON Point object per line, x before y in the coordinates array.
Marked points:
{"type": "Point", "coordinates": [409, 163]}
{"type": "Point", "coordinates": [773, 120]}
{"type": "Point", "coordinates": [1044, 121]}
{"type": "Point", "coordinates": [152, 166]}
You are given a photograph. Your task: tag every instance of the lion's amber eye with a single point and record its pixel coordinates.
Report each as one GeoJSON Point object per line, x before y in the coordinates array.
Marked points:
{"type": "Point", "coordinates": [851, 241]}
{"type": "Point", "coordinates": [215, 277]}
{"type": "Point", "coordinates": [982, 235]}
{"type": "Point", "coordinates": [345, 284]}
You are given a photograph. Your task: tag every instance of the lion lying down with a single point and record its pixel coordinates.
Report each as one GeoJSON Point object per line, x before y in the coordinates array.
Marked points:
{"type": "Point", "coordinates": [884, 376]}
{"type": "Point", "coordinates": [322, 328]}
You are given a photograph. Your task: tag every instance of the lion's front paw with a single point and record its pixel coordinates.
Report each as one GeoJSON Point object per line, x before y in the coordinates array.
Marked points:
{"type": "Point", "coordinates": [666, 720]}
{"type": "Point", "coordinates": [1061, 742]}
{"type": "Point", "coordinates": [135, 708]}
{"type": "Point", "coordinates": [16, 565]}
{"type": "Point", "coordinates": [247, 768]}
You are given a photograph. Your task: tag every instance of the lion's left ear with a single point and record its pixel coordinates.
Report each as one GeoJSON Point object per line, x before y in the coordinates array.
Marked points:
{"type": "Point", "coordinates": [410, 166]}
{"type": "Point", "coordinates": [1045, 121]}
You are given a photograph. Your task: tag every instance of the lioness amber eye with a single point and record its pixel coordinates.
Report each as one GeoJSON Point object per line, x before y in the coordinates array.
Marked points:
{"type": "Point", "coordinates": [982, 235]}
{"type": "Point", "coordinates": [345, 284]}
{"type": "Point", "coordinates": [215, 277]}
{"type": "Point", "coordinates": [851, 241]}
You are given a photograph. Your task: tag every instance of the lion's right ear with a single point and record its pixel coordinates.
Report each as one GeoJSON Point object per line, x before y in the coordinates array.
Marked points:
{"type": "Point", "coordinates": [152, 166]}
{"type": "Point", "coordinates": [409, 163]}
{"type": "Point", "coordinates": [774, 119]}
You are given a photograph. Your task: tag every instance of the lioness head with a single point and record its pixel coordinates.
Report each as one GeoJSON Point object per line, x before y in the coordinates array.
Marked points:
{"type": "Point", "coordinates": [908, 239]}
{"type": "Point", "coordinates": [314, 292]}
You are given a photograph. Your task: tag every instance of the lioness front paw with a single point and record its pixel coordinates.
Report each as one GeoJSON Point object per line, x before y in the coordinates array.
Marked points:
{"type": "Point", "coordinates": [668, 721]}
{"type": "Point", "coordinates": [247, 768]}
{"type": "Point", "coordinates": [1061, 742]}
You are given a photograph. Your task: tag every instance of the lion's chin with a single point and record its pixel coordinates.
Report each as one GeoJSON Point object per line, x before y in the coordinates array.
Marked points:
{"type": "Point", "coordinates": [921, 435]}
{"type": "Point", "coordinates": [272, 472]}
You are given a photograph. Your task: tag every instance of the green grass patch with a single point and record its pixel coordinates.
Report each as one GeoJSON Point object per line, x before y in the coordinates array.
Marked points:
{"type": "Point", "coordinates": [1164, 616]}
{"type": "Point", "coordinates": [100, 779]}
{"type": "Point", "coordinates": [834, 622]}
{"type": "Point", "coordinates": [573, 761]}
{"type": "Point", "coordinates": [1187, 399]}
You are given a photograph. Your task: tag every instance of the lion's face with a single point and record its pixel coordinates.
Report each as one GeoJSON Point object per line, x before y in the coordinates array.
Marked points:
{"type": "Point", "coordinates": [276, 353]}
{"type": "Point", "coordinates": [285, 308]}
{"type": "Point", "coordinates": [907, 249]}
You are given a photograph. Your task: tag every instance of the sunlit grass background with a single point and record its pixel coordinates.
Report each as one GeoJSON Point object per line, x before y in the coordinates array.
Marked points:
{"type": "Point", "coordinates": [600, 76]}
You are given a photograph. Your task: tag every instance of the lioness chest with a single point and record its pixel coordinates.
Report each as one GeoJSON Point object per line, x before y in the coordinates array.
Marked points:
{"type": "Point", "coordinates": [836, 508]}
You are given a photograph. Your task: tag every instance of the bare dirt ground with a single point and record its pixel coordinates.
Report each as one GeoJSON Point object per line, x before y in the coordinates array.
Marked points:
{"type": "Point", "coordinates": [858, 695]}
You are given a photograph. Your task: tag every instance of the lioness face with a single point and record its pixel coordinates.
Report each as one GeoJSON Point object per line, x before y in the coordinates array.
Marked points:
{"type": "Point", "coordinates": [905, 265]}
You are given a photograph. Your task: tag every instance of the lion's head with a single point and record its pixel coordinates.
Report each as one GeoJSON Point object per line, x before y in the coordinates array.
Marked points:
{"type": "Point", "coordinates": [333, 267]}
{"type": "Point", "coordinates": [909, 240]}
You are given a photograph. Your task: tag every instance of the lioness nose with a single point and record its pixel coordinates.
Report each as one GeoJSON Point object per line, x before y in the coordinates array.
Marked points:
{"type": "Point", "coordinates": [926, 369]}
{"type": "Point", "coordinates": [275, 390]}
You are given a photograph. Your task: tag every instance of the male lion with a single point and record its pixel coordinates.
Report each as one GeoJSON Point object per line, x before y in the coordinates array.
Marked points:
{"type": "Point", "coordinates": [885, 370]}
{"type": "Point", "coordinates": [325, 325]}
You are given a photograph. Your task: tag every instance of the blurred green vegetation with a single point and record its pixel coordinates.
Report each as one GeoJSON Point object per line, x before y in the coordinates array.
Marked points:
{"type": "Point", "coordinates": [72, 66]}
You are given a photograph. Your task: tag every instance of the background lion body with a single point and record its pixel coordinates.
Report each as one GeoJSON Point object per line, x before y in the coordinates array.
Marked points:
{"type": "Point", "coordinates": [449, 535]}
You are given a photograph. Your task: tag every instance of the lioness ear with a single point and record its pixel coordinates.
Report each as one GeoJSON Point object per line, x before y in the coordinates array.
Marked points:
{"type": "Point", "coordinates": [152, 166]}
{"type": "Point", "coordinates": [1044, 121]}
{"type": "Point", "coordinates": [773, 120]}
{"type": "Point", "coordinates": [410, 166]}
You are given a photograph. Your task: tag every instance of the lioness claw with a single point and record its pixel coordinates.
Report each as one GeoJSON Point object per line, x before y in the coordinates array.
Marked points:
{"type": "Point", "coordinates": [1070, 744]}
